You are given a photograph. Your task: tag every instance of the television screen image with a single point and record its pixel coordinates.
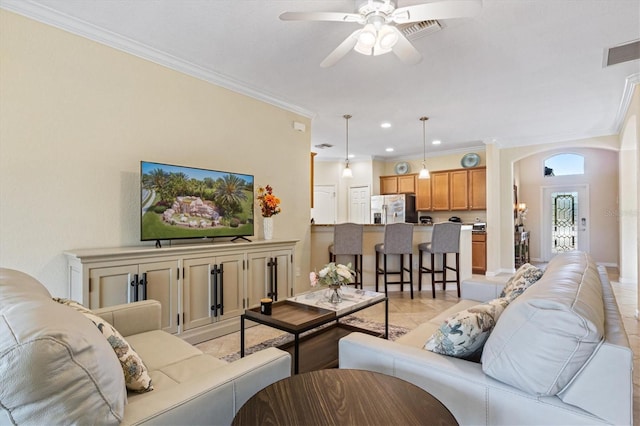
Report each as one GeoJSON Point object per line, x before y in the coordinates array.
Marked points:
{"type": "Point", "coordinates": [185, 202]}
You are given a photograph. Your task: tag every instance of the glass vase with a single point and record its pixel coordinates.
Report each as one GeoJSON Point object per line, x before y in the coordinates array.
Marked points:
{"type": "Point", "coordinates": [335, 293]}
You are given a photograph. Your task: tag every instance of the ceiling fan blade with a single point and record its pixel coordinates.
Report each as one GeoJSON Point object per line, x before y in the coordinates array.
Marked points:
{"type": "Point", "coordinates": [437, 10]}
{"type": "Point", "coordinates": [341, 50]}
{"type": "Point", "coordinates": [405, 51]}
{"type": "Point", "coordinates": [321, 16]}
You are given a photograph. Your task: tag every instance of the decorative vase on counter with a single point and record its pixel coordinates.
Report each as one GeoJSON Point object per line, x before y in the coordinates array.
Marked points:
{"type": "Point", "coordinates": [335, 293]}
{"type": "Point", "coordinates": [267, 227]}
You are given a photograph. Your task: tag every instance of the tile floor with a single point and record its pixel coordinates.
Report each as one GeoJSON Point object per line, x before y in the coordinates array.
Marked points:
{"type": "Point", "coordinates": [409, 313]}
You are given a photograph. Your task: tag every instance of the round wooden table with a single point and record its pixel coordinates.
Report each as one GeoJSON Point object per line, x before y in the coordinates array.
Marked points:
{"type": "Point", "coordinates": [343, 397]}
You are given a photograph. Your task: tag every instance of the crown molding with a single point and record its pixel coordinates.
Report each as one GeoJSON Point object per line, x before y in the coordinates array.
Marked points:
{"type": "Point", "coordinates": [625, 102]}
{"type": "Point", "coordinates": [84, 29]}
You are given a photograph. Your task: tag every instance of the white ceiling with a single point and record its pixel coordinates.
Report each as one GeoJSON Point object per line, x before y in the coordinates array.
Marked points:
{"type": "Point", "coordinates": [522, 72]}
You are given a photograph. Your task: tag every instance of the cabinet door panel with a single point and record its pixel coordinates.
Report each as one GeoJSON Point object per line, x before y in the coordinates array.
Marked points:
{"type": "Point", "coordinates": [478, 189]}
{"type": "Point", "coordinates": [459, 190]}
{"type": "Point", "coordinates": [260, 275]}
{"type": "Point", "coordinates": [440, 191]}
{"type": "Point", "coordinates": [111, 286]}
{"type": "Point", "coordinates": [233, 282]}
{"type": "Point", "coordinates": [284, 273]}
{"type": "Point", "coordinates": [423, 195]}
{"type": "Point", "coordinates": [162, 286]}
{"type": "Point", "coordinates": [407, 184]}
{"type": "Point", "coordinates": [196, 292]}
{"type": "Point", "coordinates": [388, 185]}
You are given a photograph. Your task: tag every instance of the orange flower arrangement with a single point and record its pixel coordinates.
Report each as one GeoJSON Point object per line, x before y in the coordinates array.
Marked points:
{"type": "Point", "coordinates": [269, 203]}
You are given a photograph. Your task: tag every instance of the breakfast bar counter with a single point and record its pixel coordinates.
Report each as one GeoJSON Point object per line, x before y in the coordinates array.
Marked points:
{"type": "Point", "coordinates": [322, 237]}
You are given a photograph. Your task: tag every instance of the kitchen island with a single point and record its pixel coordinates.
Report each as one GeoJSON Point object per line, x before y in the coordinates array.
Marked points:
{"type": "Point", "coordinates": [322, 237]}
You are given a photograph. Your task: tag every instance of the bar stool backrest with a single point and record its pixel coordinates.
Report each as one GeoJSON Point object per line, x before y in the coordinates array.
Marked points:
{"type": "Point", "coordinates": [347, 238]}
{"type": "Point", "coordinates": [446, 237]}
{"type": "Point", "coordinates": [398, 238]}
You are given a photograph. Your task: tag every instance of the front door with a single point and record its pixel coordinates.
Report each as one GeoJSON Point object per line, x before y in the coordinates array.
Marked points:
{"type": "Point", "coordinates": [565, 220]}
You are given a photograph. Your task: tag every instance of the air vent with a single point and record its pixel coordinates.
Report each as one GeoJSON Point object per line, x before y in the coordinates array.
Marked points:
{"type": "Point", "coordinates": [324, 145]}
{"type": "Point", "coordinates": [416, 30]}
{"type": "Point", "coordinates": [623, 53]}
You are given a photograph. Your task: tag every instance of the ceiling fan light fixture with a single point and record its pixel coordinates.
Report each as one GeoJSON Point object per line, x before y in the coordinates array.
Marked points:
{"type": "Point", "coordinates": [368, 36]}
{"type": "Point", "coordinates": [387, 38]}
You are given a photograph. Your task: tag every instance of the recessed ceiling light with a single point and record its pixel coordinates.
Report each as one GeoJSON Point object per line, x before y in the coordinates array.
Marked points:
{"type": "Point", "coordinates": [436, 142]}
{"type": "Point", "coordinates": [385, 125]}
{"type": "Point", "coordinates": [389, 149]}
{"type": "Point", "coordinates": [351, 155]}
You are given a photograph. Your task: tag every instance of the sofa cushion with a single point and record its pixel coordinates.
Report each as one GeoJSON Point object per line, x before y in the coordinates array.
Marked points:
{"type": "Point", "coordinates": [546, 335]}
{"type": "Point", "coordinates": [136, 376]}
{"type": "Point", "coordinates": [56, 367]}
{"type": "Point", "coordinates": [463, 335]}
{"type": "Point", "coordinates": [524, 277]}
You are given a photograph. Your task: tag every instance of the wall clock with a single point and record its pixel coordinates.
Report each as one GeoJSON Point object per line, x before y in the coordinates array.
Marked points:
{"type": "Point", "coordinates": [402, 168]}
{"type": "Point", "coordinates": [470, 160]}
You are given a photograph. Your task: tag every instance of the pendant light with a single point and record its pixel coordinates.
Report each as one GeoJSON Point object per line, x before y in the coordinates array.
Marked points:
{"type": "Point", "coordinates": [424, 173]}
{"type": "Point", "coordinates": [347, 173]}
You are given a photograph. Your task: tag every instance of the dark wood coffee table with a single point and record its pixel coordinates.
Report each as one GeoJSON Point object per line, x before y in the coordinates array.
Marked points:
{"type": "Point", "coordinates": [343, 397]}
{"type": "Point", "coordinates": [319, 349]}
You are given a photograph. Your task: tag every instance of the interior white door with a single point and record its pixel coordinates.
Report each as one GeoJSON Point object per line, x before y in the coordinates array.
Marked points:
{"type": "Point", "coordinates": [359, 204]}
{"type": "Point", "coordinates": [565, 220]}
{"type": "Point", "coordinates": [324, 204]}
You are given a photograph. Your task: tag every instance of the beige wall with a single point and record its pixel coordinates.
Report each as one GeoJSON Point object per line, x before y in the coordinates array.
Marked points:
{"type": "Point", "coordinates": [630, 203]}
{"type": "Point", "coordinates": [601, 177]}
{"type": "Point", "coordinates": [76, 119]}
{"type": "Point", "coordinates": [502, 224]}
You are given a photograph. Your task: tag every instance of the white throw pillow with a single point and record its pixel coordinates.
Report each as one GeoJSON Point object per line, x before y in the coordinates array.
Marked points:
{"type": "Point", "coordinates": [463, 334]}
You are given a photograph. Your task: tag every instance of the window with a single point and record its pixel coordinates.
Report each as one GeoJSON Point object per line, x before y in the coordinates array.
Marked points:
{"type": "Point", "coordinates": [563, 165]}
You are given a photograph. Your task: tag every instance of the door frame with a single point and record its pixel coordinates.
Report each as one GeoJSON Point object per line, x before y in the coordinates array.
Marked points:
{"type": "Point", "coordinates": [583, 232]}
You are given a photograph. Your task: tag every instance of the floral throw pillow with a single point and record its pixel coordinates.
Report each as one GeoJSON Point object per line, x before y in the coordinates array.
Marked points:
{"type": "Point", "coordinates": [464, 334]}
{"type": "Point", "coordinates": [136, 375]}
{"type": "Point", "coordinates": [526, 275]}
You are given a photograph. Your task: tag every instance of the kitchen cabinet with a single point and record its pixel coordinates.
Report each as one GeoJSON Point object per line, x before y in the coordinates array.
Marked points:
{"type": "Point", "coordinates": [451, 190]}
{"type": "Point", "coordinates": [440, 191]}
{"type": "Point", "coordinates": [398, 184]}
{"type": "Point", "coordinates": [478, 189]}
{"type": "Point", "coordinates": [203, 289]}
{"type": "Point", "coordinates": [478, 253]}
{"type": "Point", "coordinates": [458, 190]}
{"type": "Point", "coordinates": [423, 195]}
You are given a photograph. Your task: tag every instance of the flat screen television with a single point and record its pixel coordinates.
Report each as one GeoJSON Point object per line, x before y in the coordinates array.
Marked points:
{"type": "Point", "coordinates": [180, 202]}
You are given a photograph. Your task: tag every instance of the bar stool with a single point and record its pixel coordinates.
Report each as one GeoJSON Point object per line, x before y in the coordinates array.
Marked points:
{"type": "Point", "coordinates": [445, 239]}
{"type": "Point", "coordinates": [398, 239]}
{"type": "Point", "coordinates": [347, 241]}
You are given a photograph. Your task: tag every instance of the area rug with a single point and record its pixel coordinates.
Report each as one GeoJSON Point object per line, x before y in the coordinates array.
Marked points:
{"type": "Point", "coordinates": [378, 327]}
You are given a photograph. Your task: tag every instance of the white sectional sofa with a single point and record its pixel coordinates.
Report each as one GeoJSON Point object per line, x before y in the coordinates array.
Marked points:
{"type": "Point", "coordinates": [57, 368]}
{"type": "Point", "coordinates": [558, 355]}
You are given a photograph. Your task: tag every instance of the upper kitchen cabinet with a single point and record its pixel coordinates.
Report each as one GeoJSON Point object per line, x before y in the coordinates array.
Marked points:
{"type": "Point", "coordinates": [398, 184]}
{"type": "Point", "coordinates": [478, 189]}
{"type": "Point", "coordinates": [451, 190]}
{"type": "Point", "coordinates": [458, 190]}
{"type": "Point", "coordinates": [440, 191]}
{"type": "Point", "coordinates": [423, 194]}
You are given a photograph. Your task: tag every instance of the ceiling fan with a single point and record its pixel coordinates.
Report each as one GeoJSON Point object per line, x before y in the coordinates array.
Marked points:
{"type": "Point", "coordinates": [379, 34]}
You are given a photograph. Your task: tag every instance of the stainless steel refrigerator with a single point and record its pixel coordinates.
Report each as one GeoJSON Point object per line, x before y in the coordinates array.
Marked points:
{"type": "Point", "coordinates": [393, 209]}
